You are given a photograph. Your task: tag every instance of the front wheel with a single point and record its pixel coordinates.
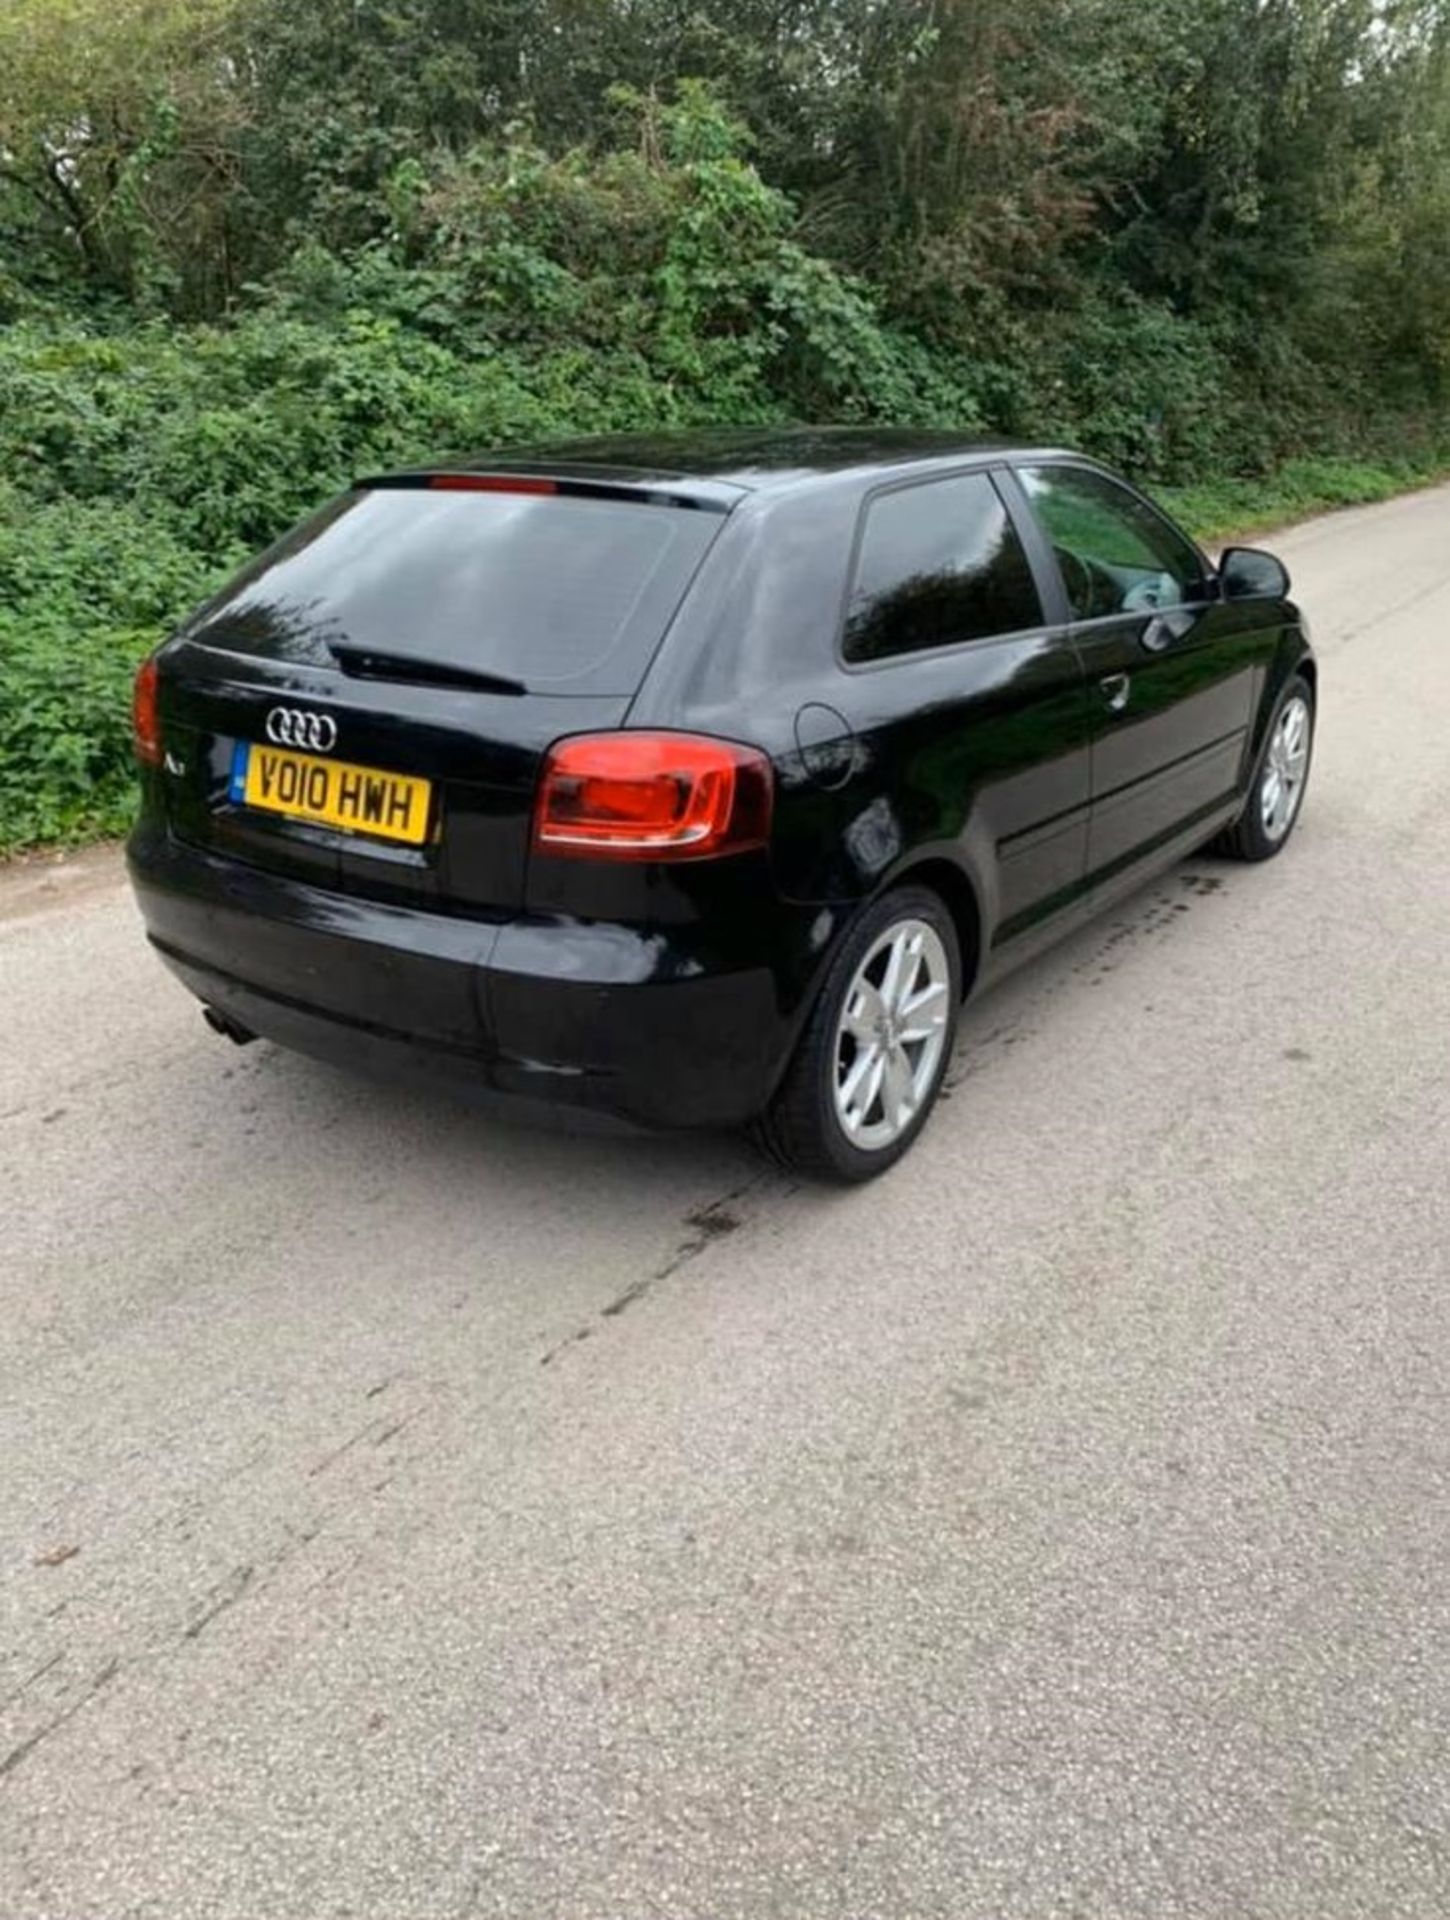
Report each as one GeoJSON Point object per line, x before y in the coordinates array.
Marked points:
{"type": "Point", "coordinates": [872, 1058]}
{"type": "Point", "coordinates": [1264, 826]}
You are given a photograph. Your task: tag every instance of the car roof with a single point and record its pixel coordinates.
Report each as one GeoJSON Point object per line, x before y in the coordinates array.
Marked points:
{"type": "Point", "coordinates": [721, 463]}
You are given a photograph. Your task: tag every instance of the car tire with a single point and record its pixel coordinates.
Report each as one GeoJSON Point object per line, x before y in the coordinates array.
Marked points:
{"type": "Point", "coordinates": [1276, 796]}
{"type": "Point", "coordinates": [870, 1063]}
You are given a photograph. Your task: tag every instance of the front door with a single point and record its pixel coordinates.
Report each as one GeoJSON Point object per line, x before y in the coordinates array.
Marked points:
{"type": "Point", "coordinates": [1172, 671]}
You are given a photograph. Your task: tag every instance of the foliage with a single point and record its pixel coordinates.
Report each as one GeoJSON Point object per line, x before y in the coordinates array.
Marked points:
{"type": "Point", "coordinates": [84, 590]}
{"type": "Point", "coordinates": [249, 250]}
{"type": "Point", "coordinates": [119, 124]}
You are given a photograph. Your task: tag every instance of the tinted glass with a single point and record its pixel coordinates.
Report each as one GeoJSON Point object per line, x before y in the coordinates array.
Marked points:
{"type": "Point", "coordinates": [1116, 555]}
{"type": "Point", "coordinates": [939, 563]}
{"type": "Point", "coordinates": [566, 595]}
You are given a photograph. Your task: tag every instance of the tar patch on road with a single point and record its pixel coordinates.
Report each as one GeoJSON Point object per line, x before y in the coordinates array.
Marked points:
{"type": "Point", "coordinates": [703, 1227]}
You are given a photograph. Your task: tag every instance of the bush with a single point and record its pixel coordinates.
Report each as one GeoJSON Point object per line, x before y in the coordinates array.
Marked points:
{"type": "Point", "coordinates": [85, 589]}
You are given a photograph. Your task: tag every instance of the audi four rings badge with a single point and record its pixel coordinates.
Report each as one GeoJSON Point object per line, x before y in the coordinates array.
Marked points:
{"type": "Point", "coordinates": [292, 727]}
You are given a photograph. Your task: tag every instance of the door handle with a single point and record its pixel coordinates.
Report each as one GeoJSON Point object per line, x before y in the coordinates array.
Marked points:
{"type": "Point", "coordinates": [1116, 688]}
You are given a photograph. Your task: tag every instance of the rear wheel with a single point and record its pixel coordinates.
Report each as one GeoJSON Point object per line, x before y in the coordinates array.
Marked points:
{"type": "Point", "coordinates": [872, 1058]}
{"type": "Point", "coordinates": [1264, 826]}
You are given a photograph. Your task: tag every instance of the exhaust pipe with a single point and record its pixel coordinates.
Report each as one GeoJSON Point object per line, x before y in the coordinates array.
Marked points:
{"type": "Point", "coordinates": [223, 1023]}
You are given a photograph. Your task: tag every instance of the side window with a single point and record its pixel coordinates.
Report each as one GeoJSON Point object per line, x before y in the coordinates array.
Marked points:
{"type": "Point", "coordinates": [939, 563]}
{"type": "Point", "coordinates": [1116, 555]}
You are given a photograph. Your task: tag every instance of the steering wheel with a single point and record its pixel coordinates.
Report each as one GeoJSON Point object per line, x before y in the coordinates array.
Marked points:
{"type": "Point", "coordinates": [1153, 592]}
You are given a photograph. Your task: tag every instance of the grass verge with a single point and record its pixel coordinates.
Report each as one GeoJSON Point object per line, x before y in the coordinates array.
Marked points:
{"type": "Point", "coordinates": [1217, 510]}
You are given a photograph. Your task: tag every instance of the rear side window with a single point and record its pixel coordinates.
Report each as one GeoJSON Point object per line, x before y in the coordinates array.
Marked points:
{"type": "Point", "coordinates": [939, 563]}
{"type": "Point", "coordinates": [566, 595]}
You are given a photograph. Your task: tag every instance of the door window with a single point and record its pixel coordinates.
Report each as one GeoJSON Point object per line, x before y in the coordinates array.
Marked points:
{"type": "Point", "coordinates": [1115, 554]}
{"type": "Point", "coordinates": [939, 563]}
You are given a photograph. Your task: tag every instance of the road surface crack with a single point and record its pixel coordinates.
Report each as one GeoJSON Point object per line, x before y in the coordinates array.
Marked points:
{"type": "Point", "coordinates": [23, 1752]}
{"type": "Point", "coordinates": [706, 1224]}
{"type": "Point", "coordinates": [225, 1594]}
{"type": "Point", "coordinates": [40, 1672]}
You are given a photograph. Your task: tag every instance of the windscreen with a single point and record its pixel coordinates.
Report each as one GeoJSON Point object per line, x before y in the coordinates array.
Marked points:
{"type": "Point", "coordinates": [560, 593]}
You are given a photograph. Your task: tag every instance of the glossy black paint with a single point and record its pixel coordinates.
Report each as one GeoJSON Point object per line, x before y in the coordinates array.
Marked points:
{"type": "Point", "coordinates": [1003, 771]}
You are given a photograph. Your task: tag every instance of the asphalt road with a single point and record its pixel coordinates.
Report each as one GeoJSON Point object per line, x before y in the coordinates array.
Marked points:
{"type": "Point", "coordinates": [406, 1515]}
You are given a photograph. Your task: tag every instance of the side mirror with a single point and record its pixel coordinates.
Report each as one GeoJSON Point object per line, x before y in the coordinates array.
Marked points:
{"type": "Point", "coordinates": [1247, 573]}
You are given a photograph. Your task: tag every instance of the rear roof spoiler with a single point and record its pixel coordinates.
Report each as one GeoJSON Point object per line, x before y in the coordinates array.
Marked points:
{"type": "Point", "coordinates": [566, 486]}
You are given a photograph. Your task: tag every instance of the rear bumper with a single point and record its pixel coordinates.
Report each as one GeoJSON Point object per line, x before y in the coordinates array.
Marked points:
{"type": "Point", "coordinates": [553, 1013]}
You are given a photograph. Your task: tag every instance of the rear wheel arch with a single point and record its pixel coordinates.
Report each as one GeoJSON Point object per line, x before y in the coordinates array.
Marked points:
{"type": "Point", "coordinates": [959, 896]}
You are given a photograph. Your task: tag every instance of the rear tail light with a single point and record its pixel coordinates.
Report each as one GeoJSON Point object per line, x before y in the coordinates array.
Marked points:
{"type": "Point", "coordinates": [652, 796]}
{"type": "Point", "coordinates": [145, 719]}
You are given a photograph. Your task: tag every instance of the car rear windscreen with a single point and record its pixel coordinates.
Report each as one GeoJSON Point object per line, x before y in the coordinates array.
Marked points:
{"type": "Point", "coordinates": [561, 593]}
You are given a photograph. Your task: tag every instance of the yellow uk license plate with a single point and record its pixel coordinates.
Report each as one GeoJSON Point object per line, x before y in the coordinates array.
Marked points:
{"type": "Point", "coordinates": [332, 793]}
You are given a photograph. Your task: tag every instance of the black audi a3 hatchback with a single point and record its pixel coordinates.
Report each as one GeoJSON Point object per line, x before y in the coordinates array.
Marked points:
{"type": "Point", "coordinates": [698, 780]}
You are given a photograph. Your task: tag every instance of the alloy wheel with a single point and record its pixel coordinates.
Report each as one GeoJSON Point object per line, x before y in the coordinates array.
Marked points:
{"type": "Point", "coordinates": [1282, 787]}
{"type": "Point", "coordinates": [891, 1034]}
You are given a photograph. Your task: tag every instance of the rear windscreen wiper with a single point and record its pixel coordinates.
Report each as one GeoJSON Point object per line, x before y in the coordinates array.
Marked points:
{"type": "Point", "coordinates": [366, 663]}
